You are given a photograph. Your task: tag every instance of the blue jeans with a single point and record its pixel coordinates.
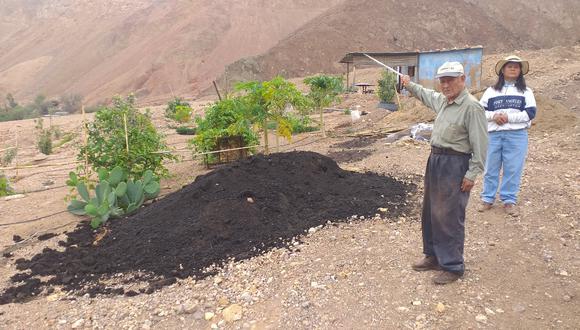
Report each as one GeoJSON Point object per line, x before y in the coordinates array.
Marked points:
{"type": "Point", "coordinates": [507, 150]}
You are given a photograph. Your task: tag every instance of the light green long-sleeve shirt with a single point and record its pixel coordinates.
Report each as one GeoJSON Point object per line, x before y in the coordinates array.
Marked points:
{"type": "Point", "coordinates": [460, 125]}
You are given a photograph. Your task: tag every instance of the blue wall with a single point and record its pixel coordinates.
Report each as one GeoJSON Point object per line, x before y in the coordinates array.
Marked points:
{"type": "Point", "coordinates": [470, 58]}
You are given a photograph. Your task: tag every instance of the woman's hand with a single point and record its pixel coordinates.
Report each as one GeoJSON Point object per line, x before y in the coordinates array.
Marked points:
{"type": "Point", "coordinates": [405, 80]}
{"type": "Point", "coordinates": [500, 118]}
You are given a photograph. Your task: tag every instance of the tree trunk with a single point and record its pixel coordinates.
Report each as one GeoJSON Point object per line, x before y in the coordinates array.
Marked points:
{"type": "Point", "coordinates": [322, 122]}
{"type": "Point", "coordinates": [265, 126]}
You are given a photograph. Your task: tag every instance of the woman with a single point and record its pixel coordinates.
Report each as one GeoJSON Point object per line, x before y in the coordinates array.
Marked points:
{"type": "Point", "coordinates": [510, 107]}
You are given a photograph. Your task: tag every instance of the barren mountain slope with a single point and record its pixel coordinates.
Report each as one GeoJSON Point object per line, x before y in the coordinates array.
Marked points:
{"type": "Point", "coordinates": [154, 47]}
{"type": "Point", "coordinates": [391, 25]}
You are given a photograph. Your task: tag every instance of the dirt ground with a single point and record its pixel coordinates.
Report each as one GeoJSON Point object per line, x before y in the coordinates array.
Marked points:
{"type": "Point", "coordinates": [522, 272]}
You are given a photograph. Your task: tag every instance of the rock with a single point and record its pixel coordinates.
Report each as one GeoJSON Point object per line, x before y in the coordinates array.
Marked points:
{"type": "Point", "coordinates": [489, 311]}
{"type": "Point", "coordinates": [567, 298]}
{"type": "Point", "coordinates": [402, 309]}
{"type": "Point", "coordinates": [563, 273]}
{"type": "Point", "coordinates": [250, 200]}
{"type": "Point", "coordinates": [481, 318]}
{"type": "Point", "coordinates": [246, 296]}
{"type": "Point", "coordinates": [499, 310]}
{"type": "Point", "coordinates": [383, 209]}
{"type": "Point", "coordinates": [223, 301]}
{"type": "Point", "coordinates": [214, 326]}
{"type": "Point", "coordinates": [217, 280]}
{"type": "Point", "coordinates": [198, 315]}
{"type": "Point", "coordinates": [78, 323]}
{"type": "Point", "coordinates": [519, 308]}
{"type": "Point", "coordinates": [232, 313]}
{"type": "Point", "coordinates": [146, 325]}
{"type": "Point", "coordinates": [11, 197]}
{"type": "Point", "coordinates": [312, 230]}
{"type": "Point", "coordinates": [208, 316]}
{"type": "Point", "coordinates": [440, 308]}
{"type": "Point", "coordinates": [416, 303]}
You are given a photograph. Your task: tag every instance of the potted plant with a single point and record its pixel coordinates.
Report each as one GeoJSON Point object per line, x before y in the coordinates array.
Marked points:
{"type": "Point", "coordinates": [386, 90]}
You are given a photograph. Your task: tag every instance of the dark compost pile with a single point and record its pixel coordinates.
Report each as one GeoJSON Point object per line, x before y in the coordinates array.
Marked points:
{"type": "Point", "coordinates": [237, 211]}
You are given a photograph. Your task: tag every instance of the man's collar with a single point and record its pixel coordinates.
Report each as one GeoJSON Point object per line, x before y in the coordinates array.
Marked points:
{"type": "Point", "coordinates": [460, 98]}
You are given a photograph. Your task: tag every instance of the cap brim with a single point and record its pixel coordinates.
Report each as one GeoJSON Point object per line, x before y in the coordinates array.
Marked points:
{"type": "Point", "coordinates": [449, 74]}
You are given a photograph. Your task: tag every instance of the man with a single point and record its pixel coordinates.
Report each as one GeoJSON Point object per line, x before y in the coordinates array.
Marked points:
{"type": "Point", "coordinates": [458, 151]}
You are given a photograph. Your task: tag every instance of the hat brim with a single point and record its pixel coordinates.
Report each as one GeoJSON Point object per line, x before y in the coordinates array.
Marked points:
{"type": "Point", "coordinates": [525, 66]}
{"type": "Point", "coordinates": [449, 74]}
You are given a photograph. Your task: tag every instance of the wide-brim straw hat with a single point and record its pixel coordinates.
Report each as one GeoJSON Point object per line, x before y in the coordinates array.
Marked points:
{"type": "Point", "coordinates": [512, 58]}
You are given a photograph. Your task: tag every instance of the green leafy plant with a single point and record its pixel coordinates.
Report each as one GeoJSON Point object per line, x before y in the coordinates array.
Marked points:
{"type": "Point", "coordinates": [114, 195]}
{"type": "Point", "coordinates": [178, 110]}
{"type": "Point", "coordinates": [184, 130]}
{"type": "Point", "coordinates": [137, 149]}
{"type": "Point", "coordinates": [324, 91]}
{"type": "Point", "coordinates": [5, 189]}
{"type": "Point", "coordinates": [44, 138]}
{"type": "Point", "coordinates": [267, 102]}
{"type": "Point", "coordinates": [182, 114]}
{"type": "Point", "coordinates": [387, 87]}
{"type": "Point", "coordinates": [226, 118]}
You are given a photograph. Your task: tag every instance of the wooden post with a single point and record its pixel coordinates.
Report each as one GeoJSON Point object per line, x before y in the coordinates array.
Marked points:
{"type": "Point", "coordinates": [217, 90]}
{"type": "Point", "coordinates": [126, 133]}
{"type": "Point", "coordinates": [16, 157]}
{"type": "Point", "coordinates": [347, 76]}
{"type": "Point", "coordinates": [85, 140]}
{"type": "Point", "coordinates": [265, 127]}
{"type": "Point", "coordinates": [353, 74]}
{"type": "Point", "coordinates": [277, 141]}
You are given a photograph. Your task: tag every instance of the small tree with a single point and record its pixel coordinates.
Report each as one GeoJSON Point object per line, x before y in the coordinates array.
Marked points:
{"type": "Point", "coordinates": [136, 150]}
{"type": "Point", "coordinates": [387, 86]}
{"type": "Point", "coordinates": [267, 101]}
{"type": "Point", "coordinates": [71, 103]}
{"type": "Point", "coordinates": [324, 91]}
{"type": "Point", "coordinates": [178, 110]}
{"type": "Point", "coordinates": [44, 137]}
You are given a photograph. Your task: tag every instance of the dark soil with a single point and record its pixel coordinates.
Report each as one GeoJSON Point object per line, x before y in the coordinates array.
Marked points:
{"type": "Point", "coordinates": [349, 156]}
{"type": "Point", "coordinates": [46, 236]}
{"type": "Point", "coordinates": [235, 212]}
{"type": "Point", "coordinates": [360, 142]}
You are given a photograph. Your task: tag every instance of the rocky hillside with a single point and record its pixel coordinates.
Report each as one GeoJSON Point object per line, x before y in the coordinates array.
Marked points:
{"type": "Point", "coordinates": [161, 48]}
{"type": "Point", "coordinates": [392, 25]}
{"type": "Point", "coordinates": [152, 47]}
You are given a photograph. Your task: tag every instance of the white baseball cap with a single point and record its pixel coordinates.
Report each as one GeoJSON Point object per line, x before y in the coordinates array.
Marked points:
{"type": "Point", "coordinates": [450, 69]}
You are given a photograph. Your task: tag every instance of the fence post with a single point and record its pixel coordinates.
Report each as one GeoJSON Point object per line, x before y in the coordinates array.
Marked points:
{"type": "Point", "coordinates": [85, 141]}
{"type": "Point", "coordinates": [126, 133]}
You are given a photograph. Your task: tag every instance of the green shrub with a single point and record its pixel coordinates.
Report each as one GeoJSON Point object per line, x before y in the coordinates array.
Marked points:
{"type": "Point", "coordinates": [17, 113]}
{"type": "Point", "coordinates": [225, 118]}
{"type": "Point", "coordinates": [9, 156]}
{"type": "Point", "coordinates": [178, 105]}
{"type": "Point", "coordinates": [184, 130]}
{"type": "Point", "coordinates": [387, 86]}
{"type": "Point", "coordinates": [302, 125]}
{"type": "Point", "coordinates": [45, 142]}
{"type": "Point", "coordinates": [44, 138]}
{"type": "Point", "coordinates": [107, 148]}
{"type": "Point", "coordinates": [5, 189]}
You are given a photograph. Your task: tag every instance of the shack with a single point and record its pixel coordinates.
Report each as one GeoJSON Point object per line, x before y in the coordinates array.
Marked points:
{"type": "Point", "coordinates": [421, 66]}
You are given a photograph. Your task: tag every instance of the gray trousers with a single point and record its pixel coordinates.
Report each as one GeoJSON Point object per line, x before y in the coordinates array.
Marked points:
{"type": "Point", "coordinates": [443, 217]}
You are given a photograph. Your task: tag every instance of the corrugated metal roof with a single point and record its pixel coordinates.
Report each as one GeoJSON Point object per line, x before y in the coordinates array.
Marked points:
{"type": "Point", "coordinates": [349, 57]}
